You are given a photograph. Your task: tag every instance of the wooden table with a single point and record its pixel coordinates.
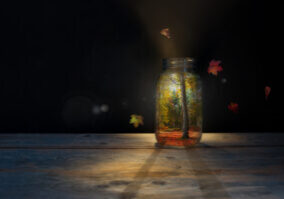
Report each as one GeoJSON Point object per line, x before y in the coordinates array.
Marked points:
{"type": "Point", "coordinates": [69, 166]}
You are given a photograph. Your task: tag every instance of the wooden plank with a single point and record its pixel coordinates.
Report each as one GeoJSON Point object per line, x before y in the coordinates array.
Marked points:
{"type": "Point", "coordinates": [200, 172]}
{"type": "Point", "coordinates": [146, 140]}
{"type": "Point", "coordinates": [141, 173]}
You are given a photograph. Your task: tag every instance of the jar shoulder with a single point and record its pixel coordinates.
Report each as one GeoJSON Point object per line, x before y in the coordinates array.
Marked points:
{"type": "Point", "coordinates": [169, 75]}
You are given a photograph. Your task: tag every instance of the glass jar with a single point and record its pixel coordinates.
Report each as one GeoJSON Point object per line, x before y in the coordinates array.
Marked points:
{"type": "Point", "coordinates": [178, 104]}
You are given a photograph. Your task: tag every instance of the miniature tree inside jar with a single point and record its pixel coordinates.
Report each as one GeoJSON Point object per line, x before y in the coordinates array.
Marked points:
{"type": "Point", "coordinates": [178, 104]}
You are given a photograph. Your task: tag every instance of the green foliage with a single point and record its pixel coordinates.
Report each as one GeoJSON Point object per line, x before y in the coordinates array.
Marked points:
{"type": "Point", "coordinates": [169, 102]}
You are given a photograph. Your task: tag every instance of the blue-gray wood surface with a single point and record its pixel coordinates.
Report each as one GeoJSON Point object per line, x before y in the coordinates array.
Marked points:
{"type": "Point", "coordinates": [231, 165]}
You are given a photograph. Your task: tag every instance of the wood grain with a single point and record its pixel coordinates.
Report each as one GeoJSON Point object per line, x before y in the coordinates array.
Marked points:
{"type": "Point", "coordinates": [129, 166]}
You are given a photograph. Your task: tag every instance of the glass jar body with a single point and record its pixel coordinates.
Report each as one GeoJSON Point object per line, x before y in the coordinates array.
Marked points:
{"type": "Point", "coordinates": [178, 107]}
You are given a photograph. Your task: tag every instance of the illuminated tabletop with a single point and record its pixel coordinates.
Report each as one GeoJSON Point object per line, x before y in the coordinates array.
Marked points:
{"type": "Point", "coordinates": [224, 165]}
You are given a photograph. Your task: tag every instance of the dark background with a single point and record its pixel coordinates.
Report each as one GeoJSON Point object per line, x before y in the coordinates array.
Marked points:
{"type": "Point", "coordinates": [59, 60]}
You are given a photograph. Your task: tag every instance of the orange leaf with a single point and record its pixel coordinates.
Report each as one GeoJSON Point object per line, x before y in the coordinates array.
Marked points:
{"type": "Point", "coordinates": [166, 32]}
{"type": "Point", "coordinates": [214, 67]}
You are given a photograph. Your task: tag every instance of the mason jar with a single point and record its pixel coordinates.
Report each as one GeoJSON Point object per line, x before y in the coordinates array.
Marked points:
{"type": "Point", "coordinates": [178, 104]}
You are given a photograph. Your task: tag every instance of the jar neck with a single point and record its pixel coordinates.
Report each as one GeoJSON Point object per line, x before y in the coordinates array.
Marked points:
{"type": "Point", "coordinates": [178, 64]}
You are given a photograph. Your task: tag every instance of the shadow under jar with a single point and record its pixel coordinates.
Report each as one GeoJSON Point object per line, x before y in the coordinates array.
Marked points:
{"type": "Point", "coordinates": [178, 104]}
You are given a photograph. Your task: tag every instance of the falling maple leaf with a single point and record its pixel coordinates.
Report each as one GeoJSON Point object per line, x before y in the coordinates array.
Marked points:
{"type": "Point", "coordinates": [214, 67]}
{"type": "Point", "coordinates": [166, 32]}
{"type": "Point", "coordinates": [136, 120]}
{"type": "Point", "coordinates": [234, 107]}
{"type": "Point", "coordinates": [267, 90]}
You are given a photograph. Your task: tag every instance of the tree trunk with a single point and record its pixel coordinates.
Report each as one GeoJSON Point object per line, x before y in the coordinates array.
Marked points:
{"type": "Point", "coordinates": [185, 123]}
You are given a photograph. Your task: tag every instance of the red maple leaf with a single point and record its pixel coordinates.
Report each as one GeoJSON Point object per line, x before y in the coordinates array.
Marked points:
{"type": "Point", "coordinates": [234, 107]}
{"type": "Point", "coordinates": [267, 90]}
{"type": "Point", "coordinates": [214, 67]}
{"type": "Point", "coordinates": [166, 32]}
